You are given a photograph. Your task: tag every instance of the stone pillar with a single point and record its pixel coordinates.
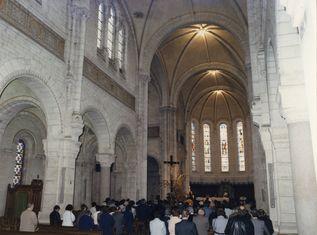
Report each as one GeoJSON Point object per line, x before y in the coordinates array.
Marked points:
{"type": "Point", "coordinates": [105, 160]}
{"type": "Point", "coordinates": [169, 145]}
{"type": "Point", "coordinates": [59, 174]}
{"type": "Point", "coordinates": [305, 186]}
{"type": "Point", "coordinates": [142, 110]}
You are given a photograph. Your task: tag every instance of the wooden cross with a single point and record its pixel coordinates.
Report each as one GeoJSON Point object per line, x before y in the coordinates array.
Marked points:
{"type": "Point", "coordinates": [171, 163]}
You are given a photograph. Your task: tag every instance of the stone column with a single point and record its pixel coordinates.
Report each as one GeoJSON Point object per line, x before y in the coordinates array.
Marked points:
{"type": "Point", "coordinates": [168, 136]}
{"type": "Point", "coordinates": [304, 177]}
{"type": "Point", "coordinates": [59, 174]}
{"type": "Point", "coordinates": [142, 121]}
{"type": "Point", "coordinates": [105, 160]}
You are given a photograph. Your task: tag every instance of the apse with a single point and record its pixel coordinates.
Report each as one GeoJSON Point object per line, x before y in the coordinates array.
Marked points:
{"type": "Point", "coordinates": [199, 71]}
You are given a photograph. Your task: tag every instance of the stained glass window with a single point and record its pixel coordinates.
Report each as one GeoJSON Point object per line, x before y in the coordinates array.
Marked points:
{"type": "Point", "coordinates": [207, 148]}
{"type": "Point", "coordinates": [100, 25]}
{"type": "Point", "coordinates": [120, 47]}
{"type": "Point", "coordinates": [241, 157]}
{"type": "Point", "coordinates": [111, 32]}
{"type": "Point", "coordinates": [18, 168]}
{"type": "Point", "coordinates": [224, 148]}
{"type": "Point", "coordinates": [193, 140]}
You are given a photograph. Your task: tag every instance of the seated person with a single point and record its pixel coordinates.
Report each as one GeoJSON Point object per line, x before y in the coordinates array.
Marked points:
{"type": "Point", "coordinates": [55, 217]}
{"type": "Point", "coordinates": [85, 222]}
{"type": "Point", "coordinates": [28, 219]}
{"type": "Point", "coordinates": [68, 216]}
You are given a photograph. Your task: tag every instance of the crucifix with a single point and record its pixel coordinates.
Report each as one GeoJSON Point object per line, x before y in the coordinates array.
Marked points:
{"type": "Point", "coordinates": [171, 163]}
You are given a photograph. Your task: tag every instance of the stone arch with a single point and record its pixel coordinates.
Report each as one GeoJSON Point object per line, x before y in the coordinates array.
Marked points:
{"type": "Point", "coordinates": [94, 118]}
{"type": "Point", "coordinates": [86, 178]}
{"type": "Point", "coordinates": [125, 172]}
{"type": "Point", "coordinates": [151, 45]}
{"type": "Point", "coordinates": [40, 84]}
{"type": "Point", "coordinates": [153, 178]}
{"type": "Point", "coordinates": [18, 122]}
{"type": "Point", "coordinates": [10, 108]}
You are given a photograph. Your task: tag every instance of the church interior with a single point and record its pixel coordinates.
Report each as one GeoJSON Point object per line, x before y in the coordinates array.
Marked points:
{"type": "Point", "coordinates": [146, 99]}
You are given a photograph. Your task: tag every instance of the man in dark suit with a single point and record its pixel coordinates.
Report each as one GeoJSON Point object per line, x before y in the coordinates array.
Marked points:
{"type": "Point", "coordinates": [185, 227]}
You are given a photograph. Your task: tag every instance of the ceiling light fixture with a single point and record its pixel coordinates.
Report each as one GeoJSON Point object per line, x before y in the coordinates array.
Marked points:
{"type": "Point", "coordinates": [201, 31]}
{"type": "Point", "coordinates": [213, 72]}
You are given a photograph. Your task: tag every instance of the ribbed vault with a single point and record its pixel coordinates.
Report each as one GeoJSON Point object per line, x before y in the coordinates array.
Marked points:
{"type": "Point", "coordinates": [195, 61]}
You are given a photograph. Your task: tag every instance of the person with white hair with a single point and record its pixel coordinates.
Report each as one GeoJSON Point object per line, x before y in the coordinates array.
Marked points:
{"type": "Point", "coordinates": [28, 219]}
{"type": "Point", "coordinates": [201, 222]}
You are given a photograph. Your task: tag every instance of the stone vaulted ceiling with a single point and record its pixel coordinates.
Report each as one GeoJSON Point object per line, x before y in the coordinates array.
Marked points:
{"type": "Point", "coordinates": [198, 62]}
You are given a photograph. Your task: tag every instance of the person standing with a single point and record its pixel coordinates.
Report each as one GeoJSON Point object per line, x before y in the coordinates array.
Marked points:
{"type": "Point", "coordinates": [128, 220]}
{"type": "Point", "coordinates": [185, 227]}
{"type": "Point", "coordinates": [157, 226]}
{"type": "Point", "coordinates": [219, 224]}
{"type": "Point", "coordinates": [240, 223]}
{"type": "Point", "coordinates": [118, 221]}
{"type": "Point", "coordinates": [259, 225]}
{"type": "Point", "coordinates": [106, 221]}
{"type": "Point", "coordinates": [268, 222]}
{"type": "Point", "coordinates": [93, 208]}
{"type": "Point", "coordinates": [28, 219]}
{"type": "Point", "coordinates": [173, 221]}
{"type": "Point", "coordinates": [201, 222]}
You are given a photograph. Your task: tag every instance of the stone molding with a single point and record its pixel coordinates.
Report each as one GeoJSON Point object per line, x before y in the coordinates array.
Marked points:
{"type": "Point", "coordinates": [105, 82]}
{"type": "Point", "coordinates": [23, 20]}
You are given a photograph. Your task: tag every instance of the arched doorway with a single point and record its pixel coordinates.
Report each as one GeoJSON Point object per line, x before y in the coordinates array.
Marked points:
{"type": "Point", "coordinates": [124, 170]}
{"type": "Point", "coordinates": [153, 178]}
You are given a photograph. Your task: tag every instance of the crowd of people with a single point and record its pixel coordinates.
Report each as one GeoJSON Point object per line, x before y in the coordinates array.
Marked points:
{"type": "Point", "coordinates": [163, 217]}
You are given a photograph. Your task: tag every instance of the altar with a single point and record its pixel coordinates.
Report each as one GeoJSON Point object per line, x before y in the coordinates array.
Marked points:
{"type": "Point", "coordinates": [235, 190]}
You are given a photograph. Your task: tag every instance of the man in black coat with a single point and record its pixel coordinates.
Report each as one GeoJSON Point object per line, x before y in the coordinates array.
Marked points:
{"type": "Point", "coordinates": [240, 223]}
{"type": "Point", "coordinates": [185, 227]}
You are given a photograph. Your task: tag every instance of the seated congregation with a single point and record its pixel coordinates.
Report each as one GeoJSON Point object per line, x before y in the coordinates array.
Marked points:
{"type": "Point", "coordinates": [202, 216]}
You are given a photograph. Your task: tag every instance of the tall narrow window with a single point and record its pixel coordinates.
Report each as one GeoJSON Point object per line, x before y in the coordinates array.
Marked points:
{"type": "Point", "coordinates": [100, 25]}
{"type": "Point", "coordinates": [240, 140]}
{"type": "Point", "coordinates": [121, 48]}
{"type": "Point", "coordinates": [193, 140]}
{"type": "Point", "coordinates": [207, 148]}
{"type": "Point", "coordinates": [17, 179]}
{"type": "Point", "coordinates": [224, 148]}
{"type": "Point", "coordinates": [111, 32]}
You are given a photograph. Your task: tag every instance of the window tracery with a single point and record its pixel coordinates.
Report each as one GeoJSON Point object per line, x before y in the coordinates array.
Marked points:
{"type": "Point", "coordinates": [19, 158]}
{"type": "Point", "coordinates": [240, 142]}
{"type": "Point", "coordinates": [193, 141]}
{"type": "Point", "coordinates": [207, 148]}
{"type": "Point", "coordinates": [111, 32]}
{"type": "Point", "coordinates": [100, 25]}
{"type": "Point", "coordinates": [120, 48]}
{"type": "Point", "coordinates": [224, 147]}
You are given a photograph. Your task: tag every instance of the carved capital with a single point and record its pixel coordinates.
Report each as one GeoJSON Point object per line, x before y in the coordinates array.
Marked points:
{"type": "Point", "coordinates": [105, 159]}
{"type": "Point", "coordinates": [168, 109]}
{"type": "Point", "coordinates": [80, 8]}
{"type": "Point", "coordinates": [145, 78]}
